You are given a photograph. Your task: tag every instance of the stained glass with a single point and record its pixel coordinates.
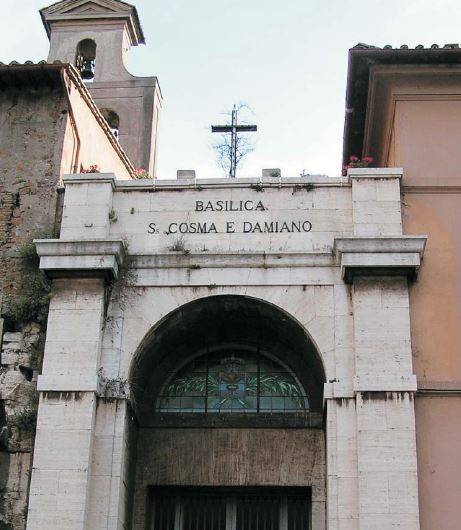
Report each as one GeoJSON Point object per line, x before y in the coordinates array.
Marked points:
{"type": "Point", "coordinates": [233, 382]}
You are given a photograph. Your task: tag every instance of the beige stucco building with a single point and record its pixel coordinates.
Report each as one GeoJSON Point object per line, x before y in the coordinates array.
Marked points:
{"type": "Point", "coordinates": [227, 353]}
{"type": "Point", "coordinates": [406, 114]}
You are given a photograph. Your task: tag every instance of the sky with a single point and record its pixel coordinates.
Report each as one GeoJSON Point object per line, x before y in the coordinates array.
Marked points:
{"type": "Point", "coordinates": [287, 60]}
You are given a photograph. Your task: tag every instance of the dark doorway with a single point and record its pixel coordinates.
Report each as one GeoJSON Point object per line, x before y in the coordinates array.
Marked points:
{"type": "Point", "coordinates": [228, 393]}
{"type": "Point", "coordinates": [229, 509]}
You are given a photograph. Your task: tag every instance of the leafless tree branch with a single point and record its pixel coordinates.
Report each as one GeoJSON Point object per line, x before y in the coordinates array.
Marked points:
{"type": "Point", "coordinates": [223, 145]}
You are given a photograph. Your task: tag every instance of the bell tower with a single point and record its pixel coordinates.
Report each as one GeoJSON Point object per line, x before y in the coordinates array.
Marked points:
{"type": "Point", "coordinates": [96, 36]}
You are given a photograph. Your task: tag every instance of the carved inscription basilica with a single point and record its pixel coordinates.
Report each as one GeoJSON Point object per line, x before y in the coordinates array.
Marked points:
{"type": "Point", "coordinates": [231, 226]}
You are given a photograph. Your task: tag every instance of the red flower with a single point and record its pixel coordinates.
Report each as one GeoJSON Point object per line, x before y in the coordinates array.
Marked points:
{"type": "Point", "coordinates": [94, 168]}
{"type": "Point", "coordinates": [354, 159]}
{"type": "Point", "coordinates": [368, 159]}
{"type": "Point", "coordinates": [141, 173]}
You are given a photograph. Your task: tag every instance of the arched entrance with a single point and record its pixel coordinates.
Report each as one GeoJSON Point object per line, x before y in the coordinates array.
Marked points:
{"type": "Point", "coordinates": [228, 393]}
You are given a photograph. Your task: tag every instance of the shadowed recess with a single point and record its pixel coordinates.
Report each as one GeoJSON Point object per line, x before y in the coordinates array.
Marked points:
{"type": "Point", "coordinates": [215, 324]}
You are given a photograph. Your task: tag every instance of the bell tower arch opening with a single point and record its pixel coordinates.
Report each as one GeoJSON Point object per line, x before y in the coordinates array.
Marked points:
{"type": "Point", "coordinates": [113, 120]}
{"type": "Point", "coordinates": [228, 396]}
{"type": "Point", "coordinates": [85, 59]}
{"type": "Point", "coordinates": [96, 36]}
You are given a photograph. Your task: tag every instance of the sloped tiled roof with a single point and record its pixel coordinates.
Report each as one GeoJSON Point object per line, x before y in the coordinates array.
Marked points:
{"type": "Point", "coordinates": [28, 63]}
{"type": "Point", "coordinates": [363, 46]}
{"type": "Point", "coordinates": [30, 73]}
{"type": "Point", "coordinates": [361, 57]}
{"type": "Point", "coordinates": [45, 74]}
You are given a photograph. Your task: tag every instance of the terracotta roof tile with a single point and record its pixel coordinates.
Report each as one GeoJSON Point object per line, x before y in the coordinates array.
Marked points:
{"type": "Point", "coordinates": [364, 46]}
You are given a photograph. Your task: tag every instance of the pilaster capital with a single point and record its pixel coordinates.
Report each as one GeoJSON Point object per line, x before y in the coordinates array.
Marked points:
{"type": "Point", "coordinates": [379, 256]}
{"type": "Point", "coordinates": [93, 257]}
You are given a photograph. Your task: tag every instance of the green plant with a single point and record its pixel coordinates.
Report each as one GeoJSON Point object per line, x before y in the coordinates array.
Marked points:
{"type": "Point", "coordinates": [302, 187]}
{"type": "Point", "coordinates": [112, 388]}
{"type": "Point", "coordinates": [112, 216]}
{"type": "Point", "coordinates": [25, 420]}
{"type": "Point", "coordinates": [34, 288]}
{"type": "Point", "coordinates": [119, 290]}
{"type": "Point", "coordinates": [179, 245]}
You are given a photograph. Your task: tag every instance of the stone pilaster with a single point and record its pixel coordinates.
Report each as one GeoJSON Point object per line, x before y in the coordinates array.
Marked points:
{"type": "Point", "coordinates": [372, 465]}
{"type": "Point", "coordinates": [342, 473]}
{"type": "Point", "coordinates": [385, 386]}
{"type": "Point", "coordinates": [384, 382]}
{"type": "Point", "coordinates": [111, 466]}
{"type": "Point", "coordinates": [70, 427]}
{"type": "Point", "coordinates": [66, 416]}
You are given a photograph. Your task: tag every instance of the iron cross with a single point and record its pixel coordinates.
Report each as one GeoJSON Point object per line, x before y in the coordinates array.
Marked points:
{"type": "Point", "coordinates": [234, 129]}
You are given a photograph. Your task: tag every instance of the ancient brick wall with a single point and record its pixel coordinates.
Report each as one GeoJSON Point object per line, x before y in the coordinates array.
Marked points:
{"type": "Point", "coordinates": [31, 137]}
{"type": "Point", "coordinates": [32, 128]}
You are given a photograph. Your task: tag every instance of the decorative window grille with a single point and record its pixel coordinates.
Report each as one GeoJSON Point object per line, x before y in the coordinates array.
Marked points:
{"type": "Point", "coordinates": [233, 382]}
{"type": "Point", "coordinates": [240, 509]}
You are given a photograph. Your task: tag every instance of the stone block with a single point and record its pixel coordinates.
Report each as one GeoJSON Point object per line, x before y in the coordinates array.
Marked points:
{"type": "Point", "coordinates": [67, 383]}
{"type": "Point", "coordinates": [348, 497]}
{"type": "Point", "coordinates": [9, 357]}
{"type": "Point", "coordinates": [342, 300]}
{"type": "Point", "coordinates": [377, 229]}
{"type": "Point", "coordinates": [274, 173]}
{"type": "Point", "coordinates": [383, 451]}
{"type": "Point", "coordinates": [102, 455]}
{"type": "Point", "coordinates": [366, 191]}
{"type": "Point", "coordinates": [388, 190]}
{"type": "Point", "coordinates": [348, 523]}
{"type": "Point", "coordinates": [384, 212]}
{"type": "Point", "coordinates": [183, 174]}
{"type": "Point", "coordinates": [374, 495]}
{"type": "Point", "coordinates": [65, 450]}
{"type": "Point", "coordinates": [403, 493]}
{"type": "Point", "coordinates": [386, 383]}
{"type": "Point", "coordinates": [71, 490]}
{"type": "Point", "coordinates": [12, 337]}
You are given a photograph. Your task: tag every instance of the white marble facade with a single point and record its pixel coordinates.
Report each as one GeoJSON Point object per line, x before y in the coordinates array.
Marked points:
{"type": "Point", "coordinates": [328, 252]}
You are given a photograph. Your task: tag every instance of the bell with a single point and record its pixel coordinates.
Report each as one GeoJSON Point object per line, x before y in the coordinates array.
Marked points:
{"type": "Point", "coordinates": [87, 70]}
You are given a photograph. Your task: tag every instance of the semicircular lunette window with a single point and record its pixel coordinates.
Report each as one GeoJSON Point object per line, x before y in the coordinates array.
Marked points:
{"type": "Point", "coordinates": [233, 382]}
